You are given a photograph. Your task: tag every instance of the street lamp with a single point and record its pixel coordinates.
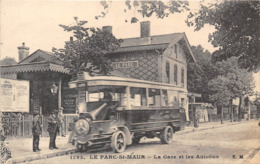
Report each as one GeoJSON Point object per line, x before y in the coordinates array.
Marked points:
{"type": "Point", "coordinates": [54, 89]}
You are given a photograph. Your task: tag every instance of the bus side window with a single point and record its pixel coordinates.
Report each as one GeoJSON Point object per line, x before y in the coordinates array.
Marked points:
{"type": "Point", "coordinates": [172, 98]}
{"type": "Point", "coordinates": [165, 97]}
{"type": "Point", "coordinates": [138, 96]}
{"type": "Point", "coordinates": [154, 98]}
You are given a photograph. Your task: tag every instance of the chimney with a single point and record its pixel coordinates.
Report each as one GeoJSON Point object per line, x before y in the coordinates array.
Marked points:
{"type": "Point", "coordinates": [23, 52]}
{"type": "Point", "coordinates": [145, 29]}
{"type": "Point", "coordinates": [107, 29]}
{"type": "Point", "coordinates": [71, 39]}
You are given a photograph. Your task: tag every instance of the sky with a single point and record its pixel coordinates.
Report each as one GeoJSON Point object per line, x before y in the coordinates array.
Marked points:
{"type": "Point", "coordinates": [36, 23]}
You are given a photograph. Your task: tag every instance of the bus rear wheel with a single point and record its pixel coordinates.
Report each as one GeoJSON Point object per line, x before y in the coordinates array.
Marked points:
{"type": "Point", "coordinates": [118, 142]}
{"type": "Point", "coordinates": [166, 135]}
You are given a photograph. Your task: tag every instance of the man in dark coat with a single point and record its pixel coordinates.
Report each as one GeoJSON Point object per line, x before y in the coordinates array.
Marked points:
{"type": "Point", "coordinates": [36, 132]}
{"type": "Point", "coordinates": [53, 129]}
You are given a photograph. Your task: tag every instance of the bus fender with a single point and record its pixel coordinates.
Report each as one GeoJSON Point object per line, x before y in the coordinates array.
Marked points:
{"type": "Point", "coordinates": [174, 127]}
{"type": "Point", "coordinates": [127, 134]}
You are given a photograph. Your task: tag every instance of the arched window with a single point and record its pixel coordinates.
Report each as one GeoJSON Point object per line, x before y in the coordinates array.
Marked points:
{"type": "Point", "coordinates": [167, 69]}
{"type": "Point", "coordinates": [175, 74]}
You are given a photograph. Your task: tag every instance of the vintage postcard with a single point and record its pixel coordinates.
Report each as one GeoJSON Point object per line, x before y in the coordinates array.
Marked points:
{"type": "Point", "coordinates": [129, 81]}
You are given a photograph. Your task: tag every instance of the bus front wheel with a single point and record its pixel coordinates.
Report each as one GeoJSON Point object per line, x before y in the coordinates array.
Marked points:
{"type": "Point", "coordinates": [166, 135]}
{"type": "Point", "coordinates": [118, 142]}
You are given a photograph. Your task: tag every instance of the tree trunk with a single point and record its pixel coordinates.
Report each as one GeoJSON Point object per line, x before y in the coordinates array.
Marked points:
{"type": "Point", "coordinates": [239, 108]}
{"type": "Point", "coordinates": [231, 110]}
{"type": "Point", "coordinates": [221, 114]}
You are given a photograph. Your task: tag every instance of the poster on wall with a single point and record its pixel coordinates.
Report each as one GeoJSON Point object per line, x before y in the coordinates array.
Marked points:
{"type": "Point", "coordinates": [14, 95]}
{"type": "Point", "coordinates": [69, 100]}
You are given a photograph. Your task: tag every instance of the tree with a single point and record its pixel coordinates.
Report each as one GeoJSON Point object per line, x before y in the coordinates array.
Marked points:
{"type": "Point", "coordinates": [8, 61]}
{"type": "Point", "coordinates": [200, 73]}
{"type": "Point", "coordinates": [87, 52]}
{"type": "Point", "coordinates": [240, 82]}
{"type": "Point", "coordinates": [158, 8]}
{"type": "Point", "coordinates": [220, 92]}
{"type": "Point", "coordinates": [237, 30]}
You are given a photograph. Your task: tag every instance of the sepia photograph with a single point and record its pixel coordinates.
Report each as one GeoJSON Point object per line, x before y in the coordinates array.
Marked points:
{"type": "Point", "coordinates": [129, 81]}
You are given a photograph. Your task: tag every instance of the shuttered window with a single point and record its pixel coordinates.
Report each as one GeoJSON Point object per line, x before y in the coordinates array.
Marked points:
{"type": "Point", "coordinates": [176, 74]}
{"type": "Point", "coordinates": [167, 72]}
{"type": "Point", "coordinates": [182, 77]}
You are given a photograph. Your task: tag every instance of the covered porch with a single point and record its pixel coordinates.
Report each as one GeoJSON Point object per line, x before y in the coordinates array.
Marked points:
{"type": "Point", "coordinates": [48, 87]}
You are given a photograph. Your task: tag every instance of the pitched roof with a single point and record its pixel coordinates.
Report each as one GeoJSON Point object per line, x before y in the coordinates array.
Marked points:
{"type": "Point", "coordinates": [155, 42]}
{"type": "Point", "coordinates": [33, 67]}
{"type": "Point", "coordinates": [47, 56]}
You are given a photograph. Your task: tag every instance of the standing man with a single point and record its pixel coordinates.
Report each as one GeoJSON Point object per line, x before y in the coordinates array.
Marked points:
{"type": "Point", "coordinates": [61, 122]}
{"type": "Point", "coordinates": [53, 128]}
{"type": "Point", "coordinates": [36, 131]}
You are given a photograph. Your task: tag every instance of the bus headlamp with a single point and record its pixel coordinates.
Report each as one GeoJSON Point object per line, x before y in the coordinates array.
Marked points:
{"type": "Point", "coordinates": [82, 127]}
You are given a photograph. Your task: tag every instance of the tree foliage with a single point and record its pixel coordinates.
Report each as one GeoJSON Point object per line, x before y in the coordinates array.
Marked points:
{"type": "Point", "coordinates": [87, 52]}
{"type": "Point", "coordinates": [237, 30]}
{"type": "Point", "coordinates": [158, 8]}
{"type": "Point", "coordinates": [231, 82]}
{"type": "Point", "coordinates": [220, 92]}
{"type": "Point", "coordinates": [8, 61]}
{"type": "Point", "coordinates": [241, 82]}
{"type": "Point", "coordinates": [200, 73]}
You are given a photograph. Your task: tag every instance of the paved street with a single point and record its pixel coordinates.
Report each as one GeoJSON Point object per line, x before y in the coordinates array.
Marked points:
{"type": "Point", "coordinates": [230, 144]}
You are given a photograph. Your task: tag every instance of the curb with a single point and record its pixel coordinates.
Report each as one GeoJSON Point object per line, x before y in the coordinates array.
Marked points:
{"type": "Point", "coordinates": [213, 127]}
{"type": "Point", "coordinates": [43, 156]}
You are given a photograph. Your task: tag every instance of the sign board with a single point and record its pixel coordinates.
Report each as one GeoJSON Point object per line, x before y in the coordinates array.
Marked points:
{"type": "Point", "coordinates": [127, 64]}
{"type": "Point", "coordinates": [69, 105]}
{"type": "Point", "coordinates": [14, 95]}
{"type": "Point", "coordinates": [69, 100]}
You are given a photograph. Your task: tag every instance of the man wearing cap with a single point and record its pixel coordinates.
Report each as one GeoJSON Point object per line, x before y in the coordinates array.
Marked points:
{"type": "Point", "coordinates": [36, 131]}
{"type": "Point", "coordinates": [53, 128]}
{"type": "Point", "coordinates": [61, 122]}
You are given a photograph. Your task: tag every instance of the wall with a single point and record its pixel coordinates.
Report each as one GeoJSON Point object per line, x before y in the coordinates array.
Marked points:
{"type": "Point", "coordinates": [147, 68]}
{"type": "Point", "coordinates": [179, 59]}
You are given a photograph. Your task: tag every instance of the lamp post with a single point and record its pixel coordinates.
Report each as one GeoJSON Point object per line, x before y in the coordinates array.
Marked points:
{"type": "Point", "coordinates": [54, 90]}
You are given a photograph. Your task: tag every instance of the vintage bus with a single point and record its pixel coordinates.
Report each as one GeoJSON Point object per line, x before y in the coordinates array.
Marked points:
{"type": "Point", "coordinates": [118, 112]}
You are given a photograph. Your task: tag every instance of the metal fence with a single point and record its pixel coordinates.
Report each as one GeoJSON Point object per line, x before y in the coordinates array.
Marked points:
{"type": "Point", "coordinates": [21, 126]}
